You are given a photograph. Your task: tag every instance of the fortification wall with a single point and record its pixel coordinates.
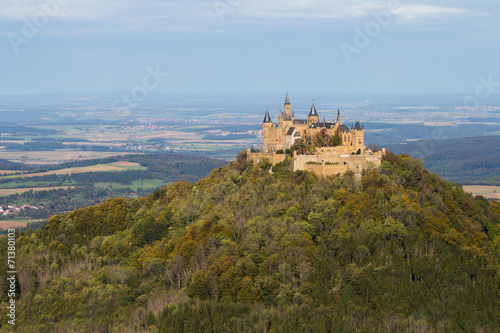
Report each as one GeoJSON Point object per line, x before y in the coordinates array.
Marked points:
{"type": "Point", "coordinates": [324, 164]}
{"type": "Point", "coordinates": [271, 157]}
{"type": "Point", "coordinates": [330, 164]}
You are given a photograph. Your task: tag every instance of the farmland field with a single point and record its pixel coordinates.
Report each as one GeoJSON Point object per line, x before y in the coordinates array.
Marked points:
{"type": "Point", "coordinates": [53, 157]}
{"type": "Point", "coordinates": [7, 172]}
{"type": "Point", "coordinates": [10, 191]}
{"type": "Point", "coordinates": [12, 224]}
{"type": "Point", "coordinates": [9, 224]}
{"type": "Point", "coordinates": [489, 192]}
{"type": "Point", "coordinates": [116, 166]}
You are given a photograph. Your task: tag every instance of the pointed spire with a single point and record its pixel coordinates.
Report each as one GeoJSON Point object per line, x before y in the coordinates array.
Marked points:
{"type": "Point", "coordinates": [313, 110]}
{"type": "Point", "coordinates": [338, 115]}
{"type": "Point", "coordinates": [267, 118]}
{"type": "Point", "coordinates": [287, 101]}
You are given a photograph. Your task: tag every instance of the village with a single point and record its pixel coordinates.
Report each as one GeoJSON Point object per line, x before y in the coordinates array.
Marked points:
{"type": "Point", "coordinates": [11, 209]}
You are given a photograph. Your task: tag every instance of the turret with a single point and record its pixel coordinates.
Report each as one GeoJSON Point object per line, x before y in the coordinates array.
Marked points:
{"type": "Point", "coordinates": [338, 117]}
{"type": "Point", "coordinates": [267, 132]}
{"type": "Point", "coordinates": [267, 118]}
{"type": "Point", "coordinates": [288, 106]}
{"type": "Point", "coordinates": [359, 136]}
{"type": "Point", "coordinates": [313, 115]}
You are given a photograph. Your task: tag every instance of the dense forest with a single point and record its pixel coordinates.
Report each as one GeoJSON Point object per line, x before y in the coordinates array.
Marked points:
{"type": "Point", "coordinates": [258, 248]}
{"type": "Point", "coordinates": [467, 161]}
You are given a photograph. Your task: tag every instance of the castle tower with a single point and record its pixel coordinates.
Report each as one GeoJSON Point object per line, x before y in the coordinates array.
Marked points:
{"type": "Point", "coordinates": [267, 118]}
{"type": "Point", "coordinates": [358, 134]}
{"type": "Point", "coordinates": [288, 106]}
{"type": "Point", "coordinates": [313, 116]}
{"type": "Point", "coordinates": [338, 117]}
{"type": "Point", "coordinates": [267, 132]}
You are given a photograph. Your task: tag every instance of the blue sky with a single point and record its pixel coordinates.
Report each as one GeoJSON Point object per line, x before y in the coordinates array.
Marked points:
{"type": "Point", "coordinates": [419, 46]}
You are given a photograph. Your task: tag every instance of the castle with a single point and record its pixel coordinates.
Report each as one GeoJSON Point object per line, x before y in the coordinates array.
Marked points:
{"type": "Point", "coordinates": [324, 148]}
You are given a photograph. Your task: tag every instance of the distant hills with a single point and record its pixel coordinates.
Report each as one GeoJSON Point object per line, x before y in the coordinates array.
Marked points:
{"type": "Point", "coordinates": [474, 160]}
{"type": "Point", "coordinates": [247, 250]}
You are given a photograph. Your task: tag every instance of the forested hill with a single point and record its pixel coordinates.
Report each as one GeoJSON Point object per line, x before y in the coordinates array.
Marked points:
{"type": "Point", "coordinates": [244, 250]}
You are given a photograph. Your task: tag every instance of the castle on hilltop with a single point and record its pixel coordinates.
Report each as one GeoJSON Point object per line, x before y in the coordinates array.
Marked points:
{"type": "Point", "coordinates": [322, 147]}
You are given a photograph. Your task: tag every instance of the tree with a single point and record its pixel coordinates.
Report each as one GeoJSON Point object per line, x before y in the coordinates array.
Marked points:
{"type": "Point", "coordinates": [335, 140]}
{"type": "Point", "coordinates": [302, 147]}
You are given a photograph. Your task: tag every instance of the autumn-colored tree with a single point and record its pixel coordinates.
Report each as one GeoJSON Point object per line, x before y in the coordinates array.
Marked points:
{"type": "Point", "coordinates": [335, 140]}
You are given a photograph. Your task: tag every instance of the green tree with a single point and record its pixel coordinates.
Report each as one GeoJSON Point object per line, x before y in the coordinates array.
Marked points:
{"type": "Point", "coordinates": [335, 140]}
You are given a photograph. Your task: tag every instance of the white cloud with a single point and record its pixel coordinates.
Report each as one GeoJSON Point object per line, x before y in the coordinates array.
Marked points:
{"type": "Point", "coordinates": [188, 15]}
{"type": "Point", "coordinates": [416, 12]}
{"type": "Point", "coordinates": [114, 16]}
{"type": "Point", "coordinates": [339, 9]}
{"type": "Point", "coordinates": [98, 10]}
{"type": "Point", "coordinates": [312, 9]}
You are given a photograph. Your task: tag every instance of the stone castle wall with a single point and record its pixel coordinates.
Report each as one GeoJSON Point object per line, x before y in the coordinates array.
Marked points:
{"type": "Point", "coordinates": [324, 164]}
{"type": "Point", "coordinates": [271, 157]}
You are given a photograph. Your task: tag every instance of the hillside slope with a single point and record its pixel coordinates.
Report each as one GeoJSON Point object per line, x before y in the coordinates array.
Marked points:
{"type": "Point", "coordinates": [243, 250]}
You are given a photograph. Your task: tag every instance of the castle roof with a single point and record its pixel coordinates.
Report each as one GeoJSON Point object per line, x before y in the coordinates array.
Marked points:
{"type": "Point", "coordinates": [313, 112]}
{"type": "Point", "coordinates": [343, 128]}
{"type": "Point", "coordinates": [287, 101]}
{"type": "Point", "coordinates": [290, 131]}
{"type": "Point", "coordinates": [300, 121]}
{"type": "Point", "coordinates": [267, 118]}
{"type": "Point", "coordinates": [323, 125]}
{"type": "Point", "coordinates": [357, 126]}
{"type": "Point", "coordinates": [286, 117]}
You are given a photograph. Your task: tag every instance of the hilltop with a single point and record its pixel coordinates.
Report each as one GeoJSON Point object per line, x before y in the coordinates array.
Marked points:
{"type": "Point", "coordinates": [249, 250]}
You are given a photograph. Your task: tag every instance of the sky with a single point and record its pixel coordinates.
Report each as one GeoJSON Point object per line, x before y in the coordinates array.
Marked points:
{"type": "Point", "coordinates": [238, 46]}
